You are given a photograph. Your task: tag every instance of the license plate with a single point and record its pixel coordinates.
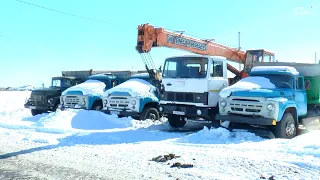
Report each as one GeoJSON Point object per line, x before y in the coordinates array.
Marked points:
{"type": "Point", "coordinates": [178, 112]}
{"type": "Point", "coordinates": [114, 112]}
{"type": "Point", "coordinates": [32, 107]}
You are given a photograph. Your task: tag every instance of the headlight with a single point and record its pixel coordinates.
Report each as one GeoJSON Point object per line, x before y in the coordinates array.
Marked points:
{"type": "Point", "coordinates": [83, 102]}
{"type": "Point", "coordinates": [134, 102]}
{"type": "Point", "coordinates": [223, 103]}
{"type": "Point", "coordinates": [50, 100]}
{"type": "Point", "coordinates": [105, 101]}
{"type": "Point", "coordinates": [270, 107]}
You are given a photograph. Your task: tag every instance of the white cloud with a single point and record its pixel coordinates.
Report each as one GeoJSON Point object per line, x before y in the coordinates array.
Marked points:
{"type": "Point", "coordinates": [301, 11]}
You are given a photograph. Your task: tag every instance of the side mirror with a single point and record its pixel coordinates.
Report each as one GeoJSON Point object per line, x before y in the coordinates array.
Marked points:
{"type": "Point", "coordinates": [160, 68]}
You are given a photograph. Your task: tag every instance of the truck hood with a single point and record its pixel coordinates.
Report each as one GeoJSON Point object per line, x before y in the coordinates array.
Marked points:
{"type": "Point", "coordinates": [89, 87]}
{"type": "Point", "coordinates": [133, 87]}
{"type": "Point", "coordinates": [267, 93]}
{"type": "Point", "coordinates": [254, 84]}
{"type": "Point", "coordinates": [47, 91]}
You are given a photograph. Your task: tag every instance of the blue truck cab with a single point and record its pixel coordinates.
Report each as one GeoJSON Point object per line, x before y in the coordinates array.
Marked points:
{"type": "Point", "coordinates": [277, 101]}
{"type": "Point", "coordinates": [124, 99]}
{"type": "Point", "coordinates": [88, 95]}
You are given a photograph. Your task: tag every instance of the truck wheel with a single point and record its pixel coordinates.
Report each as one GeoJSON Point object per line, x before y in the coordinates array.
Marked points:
{"type": "Point", "coordinates": [149, 113]}
{"type": "Point", "coordinates": [35, 112]}
{"type": "Point", "coordinates": [97, 106]}
{"type": "Point", "coordinates": [286, 128]}
{"type": "Point", "coordinates": [176, 121]}
{"type": "Point", "coordinates": [55, 107]}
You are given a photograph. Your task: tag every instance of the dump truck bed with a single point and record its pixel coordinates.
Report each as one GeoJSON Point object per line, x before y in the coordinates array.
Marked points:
{"type": "Point", "coordinates": [84, 74]}
{"type": "Point", "coordinates": [303, 68]}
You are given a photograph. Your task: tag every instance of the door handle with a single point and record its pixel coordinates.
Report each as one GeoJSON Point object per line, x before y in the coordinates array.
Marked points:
{"type": "Point", "coordinates": [169, 84]}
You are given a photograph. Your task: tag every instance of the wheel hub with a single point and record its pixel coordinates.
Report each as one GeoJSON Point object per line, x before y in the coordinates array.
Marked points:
{"type": "Point", "coordinates": [152, 116]}
{"type": "Point", "coordinates": [290, 129]}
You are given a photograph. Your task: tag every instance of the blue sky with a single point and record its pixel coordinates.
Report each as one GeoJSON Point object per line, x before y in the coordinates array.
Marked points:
{"type": "Point", "coordinates": [36, 44]}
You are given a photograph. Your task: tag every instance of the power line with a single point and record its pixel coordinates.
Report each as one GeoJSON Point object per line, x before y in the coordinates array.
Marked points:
{"type": "Point", "coordinates": [74, 15]}
{"type": "Point", "coordinates": [100, 21]}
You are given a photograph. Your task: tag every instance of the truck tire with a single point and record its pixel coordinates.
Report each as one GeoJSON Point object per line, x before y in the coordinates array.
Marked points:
{"type": "Point", "coordinates": [149, 113]}
{"type": "Point", "coordinates": [286, 128]}
{"type": "Point", "coordinates": [176, 121]}
{"type": "Point", "coordinates": [97, 106]}
{"type": "Point", "coordinates": [35, 112]}
{"type": "Point", "coordinates": [55, 107]}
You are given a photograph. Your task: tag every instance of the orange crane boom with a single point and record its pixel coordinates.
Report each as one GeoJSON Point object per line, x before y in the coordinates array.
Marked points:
{"type": "Point", "coordinates": [149, 37]}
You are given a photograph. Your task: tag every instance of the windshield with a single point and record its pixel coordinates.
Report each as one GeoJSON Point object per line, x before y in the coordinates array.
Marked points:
{"type": "Point", "coordinates": [252, 57]}
{"type": "Point", "coordinates": [185, 67]}
{"type": "Point", "coordinates": [280, 81]}
{"type": "Point", "coordinates": [61, 83]}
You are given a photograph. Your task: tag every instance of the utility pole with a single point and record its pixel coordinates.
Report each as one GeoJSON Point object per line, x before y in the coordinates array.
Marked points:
{"type": "Point", "coordinates": [315, 57]}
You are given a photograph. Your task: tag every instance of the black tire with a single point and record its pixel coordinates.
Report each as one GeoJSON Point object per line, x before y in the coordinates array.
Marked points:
{"type": "Point", "coordinates": [150, 113]}
{"type": "Point", "coordinates": [286, 128]}
{"type": "Point", "coordinates": [55, 107]}
{"type": "Point", "coordinates": [35, 112]}
{"type": "Point", "coordinates": [176, 121]}
{"type": "Point", "coordinates": [97, 106]}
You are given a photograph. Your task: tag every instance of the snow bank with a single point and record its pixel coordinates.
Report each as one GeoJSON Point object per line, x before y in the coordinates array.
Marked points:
{"type": "Point", "coordinates": [89, 87]}
{"type": "Point", "coordinates": [12, 106]}
{"type": "Point", "coordinates": [219, 136]}
{"type": "Point", "coordinates": [135, 87]}
{"type": "Point", "coordinates": [275, 68]}
{"type": "Point", "coordinates": [248, 83]}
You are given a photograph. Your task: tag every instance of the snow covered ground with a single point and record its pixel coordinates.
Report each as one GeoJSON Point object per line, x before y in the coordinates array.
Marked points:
{"type": "Point", "coordinates": [87, 144]}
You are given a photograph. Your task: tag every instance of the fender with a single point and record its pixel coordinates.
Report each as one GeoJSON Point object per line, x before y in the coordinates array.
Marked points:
{"type": "Point", "coordinates": [92, 99]}
{"type": "Point", "coordinates": [284, 105]}
{"type": "Point", "coordinates": [145, 101]}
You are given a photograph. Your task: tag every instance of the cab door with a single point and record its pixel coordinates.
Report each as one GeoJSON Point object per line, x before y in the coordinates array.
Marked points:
{"type": "Point", "coordinates": [300, 96]}
{"type": "Point", "coordinates": [217, 80]}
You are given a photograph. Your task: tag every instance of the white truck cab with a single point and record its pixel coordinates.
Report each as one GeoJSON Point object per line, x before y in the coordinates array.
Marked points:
{"type": "Point", "coordinates": [190, 87]}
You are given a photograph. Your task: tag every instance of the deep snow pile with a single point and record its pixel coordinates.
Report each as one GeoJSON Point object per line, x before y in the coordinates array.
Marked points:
{"type": "Point", "coordinates": [127, 145]}
{"type": "Point", "coordinates": [249, 83]}
{"type": "Point", "coordinates": [12, 109]}
{"type": "Point", "coordinates": [89, 87]}
{"type": "Point", "coordinates": [13, 115]}
{"type": "Point", "coordinates": [135, 87]}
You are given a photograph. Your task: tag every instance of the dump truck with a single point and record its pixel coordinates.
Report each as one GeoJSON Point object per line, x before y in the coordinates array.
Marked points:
{"type": "Point", "coordinates": [47, 99]}
{"type": "Point", "coordinates": [276, 97]}
{"type": "Point", "coordinates": [137, 97]}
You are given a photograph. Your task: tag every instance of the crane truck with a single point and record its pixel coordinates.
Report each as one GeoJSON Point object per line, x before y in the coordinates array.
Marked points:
{"type": "Point", "coordinates": [189, 86]}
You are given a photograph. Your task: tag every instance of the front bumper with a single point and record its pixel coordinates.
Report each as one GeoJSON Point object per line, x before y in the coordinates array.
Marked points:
{"type": "Point", "coordinates": [45, 107]}
{"type": "Point", "coordinates": [246, 119]}
{"type": "Point", "coordinates": [189, 111]}
{"type": "Point", "coordinates": [63, 107]}
{"type": "Point", "coordinates": [121, 112]}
